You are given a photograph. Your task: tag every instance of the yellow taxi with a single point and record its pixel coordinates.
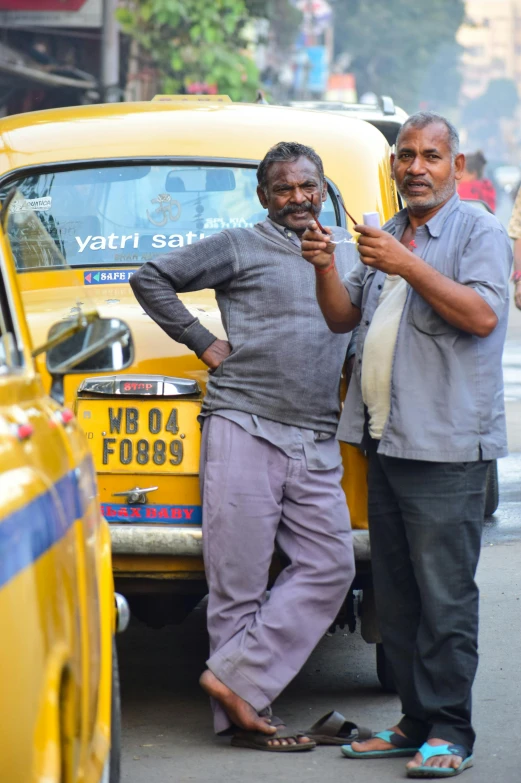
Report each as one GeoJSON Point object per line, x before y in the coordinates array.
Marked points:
{"type": "Point", "coordinates": [116, 185]}
{"type": "Point", "coordinates": [59, 688]}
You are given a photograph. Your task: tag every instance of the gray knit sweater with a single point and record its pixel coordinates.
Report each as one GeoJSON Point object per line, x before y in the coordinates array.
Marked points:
{"type": "Point", "coordinates": [285, 364]}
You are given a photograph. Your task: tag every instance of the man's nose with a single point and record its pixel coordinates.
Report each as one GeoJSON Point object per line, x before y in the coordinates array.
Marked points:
{"type": "Point", "coordinates": [299, 196]}
{"type": "Point", "coordinates": [416, 166]}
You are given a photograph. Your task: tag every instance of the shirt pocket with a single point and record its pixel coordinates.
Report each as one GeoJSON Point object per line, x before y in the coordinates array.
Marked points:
{"type": "Point", "coordinates": [426, 320]}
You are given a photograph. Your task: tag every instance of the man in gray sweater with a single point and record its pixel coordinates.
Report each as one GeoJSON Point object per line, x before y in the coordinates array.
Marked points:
{"type": "Point", "coordinates": [270, 463]}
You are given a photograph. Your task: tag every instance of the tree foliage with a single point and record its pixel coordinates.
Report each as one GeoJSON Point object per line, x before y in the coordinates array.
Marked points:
{"type": "Point", "coordinates": [194, 41]}
{"type": "Point", "coordinates": [396, 47]}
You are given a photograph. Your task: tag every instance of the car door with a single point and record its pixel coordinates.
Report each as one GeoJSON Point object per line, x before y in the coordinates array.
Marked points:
{"type": "Point", "coordinates": [50, 542]}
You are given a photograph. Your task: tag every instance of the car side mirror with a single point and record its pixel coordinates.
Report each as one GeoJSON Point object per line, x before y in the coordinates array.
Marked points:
{"type": "Point", "coordinates": [86, 344]}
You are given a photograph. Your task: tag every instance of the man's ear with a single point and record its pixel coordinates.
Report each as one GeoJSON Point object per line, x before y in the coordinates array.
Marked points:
{"type": "Point", "coordinates": [459, 165]}
{"type": "Point", "coordinates": [324, 191]}
{"type": "Point", "coordinates": [393, 158]}
{"type": "Point", "coordinates": [262, 197]}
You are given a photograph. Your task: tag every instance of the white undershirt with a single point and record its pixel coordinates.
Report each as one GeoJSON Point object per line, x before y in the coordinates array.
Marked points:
{"type": "Point", "coordinates": [377, 360]}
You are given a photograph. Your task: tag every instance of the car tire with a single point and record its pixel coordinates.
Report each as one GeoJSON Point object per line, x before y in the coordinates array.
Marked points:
{"type": "Point", "coordinates": [491, 489]}
{"type": "Point", "coordinates": [384, 671]}
{"type": "Point", "coordinates": [115, 721]}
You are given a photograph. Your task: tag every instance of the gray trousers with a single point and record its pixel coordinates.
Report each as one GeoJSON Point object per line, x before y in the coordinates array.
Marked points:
{"type": "Point", "coordinates": [254, 496]}
{"type": "Point", "coordinates": [425, 522]}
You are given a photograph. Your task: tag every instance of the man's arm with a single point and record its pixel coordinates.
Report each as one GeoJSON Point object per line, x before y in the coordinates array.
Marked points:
{"type": "Point", "coordinates": [474, 302]}
{"type": "Point", "coordinates": [339, 312]}
{"type": "Point", "coordinates": [209, 263]}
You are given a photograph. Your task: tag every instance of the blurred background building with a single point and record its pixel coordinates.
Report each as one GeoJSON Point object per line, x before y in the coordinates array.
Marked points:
{"type": "Point", "coordinates": [57, 53]}
{"type": "Point", "coordinates": [459, 57]}
{"type": "Point", "coordinates": [491, 77]}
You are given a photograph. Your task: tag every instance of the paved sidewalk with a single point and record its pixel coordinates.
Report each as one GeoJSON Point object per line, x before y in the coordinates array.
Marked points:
{"type": "Point", "coordinates": [167, 727]}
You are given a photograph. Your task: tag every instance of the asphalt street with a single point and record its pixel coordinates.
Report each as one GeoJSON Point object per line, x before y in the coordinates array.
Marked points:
{"type": "Point", "coordinates": [167, 732]}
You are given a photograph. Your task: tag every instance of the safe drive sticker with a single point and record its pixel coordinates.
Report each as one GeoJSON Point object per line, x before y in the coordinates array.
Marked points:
{"type": "Point", "coordinates": [102, 278]}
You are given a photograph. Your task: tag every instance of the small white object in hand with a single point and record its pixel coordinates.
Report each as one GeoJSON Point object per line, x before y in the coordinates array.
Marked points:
{"type": "Point", "coordinates": [371, 219]}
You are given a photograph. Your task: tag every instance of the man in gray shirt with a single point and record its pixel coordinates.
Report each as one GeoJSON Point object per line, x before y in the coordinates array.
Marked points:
{"type": "Point", "coordinates": [270, 463]}
{"type": "Point", "coordinates": [426, 402]}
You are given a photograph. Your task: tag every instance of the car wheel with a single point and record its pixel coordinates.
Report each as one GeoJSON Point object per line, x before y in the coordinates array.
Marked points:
{"type": "Point", "coordinates": [111, 770]}
{"type": "Point", "coordinates": [383, 670]}
{"type": "Point", "coordinates": [491, 489]}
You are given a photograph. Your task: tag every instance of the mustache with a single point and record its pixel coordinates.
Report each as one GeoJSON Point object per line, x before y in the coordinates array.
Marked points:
{"type": "Point", "coordinates": [289, 209]}
{"type": "Point", "coordinates": [409, 178]}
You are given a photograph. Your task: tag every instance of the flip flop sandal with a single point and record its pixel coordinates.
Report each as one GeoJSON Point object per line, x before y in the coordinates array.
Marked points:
{"type": "Point", "coordinates": [257, 740]}
{"type": "Point", "coordinates": [403, 746]}
{"type": "Point", "coordinates": [334, 729]}
{"type": "Point", "coordinates": [429, 751]}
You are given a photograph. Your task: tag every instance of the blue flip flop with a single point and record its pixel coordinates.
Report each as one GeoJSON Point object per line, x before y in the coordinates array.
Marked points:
{"type": "Point", "coordinates": [403, 747]}
{"type": "Point", "coordinates": [428, 751]}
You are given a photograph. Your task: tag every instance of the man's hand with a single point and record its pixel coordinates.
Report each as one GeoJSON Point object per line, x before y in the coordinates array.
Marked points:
{"type": "Point", "coordinates": [317, 248]}
{"type": "Point", "coordinates": [382, 251]}
{"type": "Point", "coordinates": [216, 353]}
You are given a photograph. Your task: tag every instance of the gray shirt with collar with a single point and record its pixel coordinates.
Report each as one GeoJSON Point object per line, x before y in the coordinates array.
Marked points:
{"type": "Point", "coordinates": [446, 385]}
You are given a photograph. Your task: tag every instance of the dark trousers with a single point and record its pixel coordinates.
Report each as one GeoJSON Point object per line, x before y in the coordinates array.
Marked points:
{"type": "Point", "coordinates": [425, 522]}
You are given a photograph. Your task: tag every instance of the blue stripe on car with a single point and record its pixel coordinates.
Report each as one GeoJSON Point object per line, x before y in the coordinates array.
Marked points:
{"type": "Point", "coordinates": [29, 532]}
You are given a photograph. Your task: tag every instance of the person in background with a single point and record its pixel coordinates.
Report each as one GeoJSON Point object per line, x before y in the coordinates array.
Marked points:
{"type": "Point", "coordinates": [473, 185]}
{"type": "Point", "coordinates": [514, 231]}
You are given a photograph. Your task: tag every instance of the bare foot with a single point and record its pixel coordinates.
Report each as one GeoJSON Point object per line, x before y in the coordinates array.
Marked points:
{"type": "Point", "coordinates": [295, 740]}
{"type": "Point", "coordinates": [376, 743]}
{"type": "Point", "coordinates": [240, 712]}
{"type": "Point", "coordinates": [446, 762]}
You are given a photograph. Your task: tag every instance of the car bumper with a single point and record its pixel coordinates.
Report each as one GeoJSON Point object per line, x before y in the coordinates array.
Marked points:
{"type": "Point", "coordinates": [185, 541]}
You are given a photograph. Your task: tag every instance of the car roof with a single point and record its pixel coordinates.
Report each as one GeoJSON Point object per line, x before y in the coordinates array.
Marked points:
{"type": "Point", "coordinates": [180, 129]}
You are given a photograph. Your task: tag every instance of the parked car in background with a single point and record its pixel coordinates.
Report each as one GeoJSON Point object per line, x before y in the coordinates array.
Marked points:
{"type": "Point", "coordinates": [59, 686]}
{"type": "Point", "coordinates": [383, 115]}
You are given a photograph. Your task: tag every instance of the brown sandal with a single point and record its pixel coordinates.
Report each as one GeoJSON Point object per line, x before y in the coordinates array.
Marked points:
{"type": "Point", "coordinates": [334, 729]}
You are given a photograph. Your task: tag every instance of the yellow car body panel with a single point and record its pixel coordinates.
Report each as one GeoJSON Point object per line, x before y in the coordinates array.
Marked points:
{"type": "Point", "coordinates": [356, 161]}
{"type": "Point", "coordinates": [56, 586]}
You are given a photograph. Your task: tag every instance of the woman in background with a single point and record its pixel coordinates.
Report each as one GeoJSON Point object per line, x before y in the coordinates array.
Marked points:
{"type": "Point", "coordinates": [473, 185]}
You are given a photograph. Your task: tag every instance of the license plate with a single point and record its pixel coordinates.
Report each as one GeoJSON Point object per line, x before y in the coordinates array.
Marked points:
{"type": "Point", "coordinates": [146, 437]}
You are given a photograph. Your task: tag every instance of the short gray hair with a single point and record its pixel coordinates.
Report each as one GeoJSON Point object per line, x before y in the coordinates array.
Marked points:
{"type": "Point", "coordinates": [423, 118]}
{"type": "Point", "coordinates": [283, 152]}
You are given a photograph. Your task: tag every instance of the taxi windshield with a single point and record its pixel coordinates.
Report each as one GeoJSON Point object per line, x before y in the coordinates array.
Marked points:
{"type": "Point", "coordinates": [128, 214]}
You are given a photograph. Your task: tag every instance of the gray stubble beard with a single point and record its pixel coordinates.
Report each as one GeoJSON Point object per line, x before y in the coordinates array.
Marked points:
{"type": "Point", "coordinates": [438, 197]}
